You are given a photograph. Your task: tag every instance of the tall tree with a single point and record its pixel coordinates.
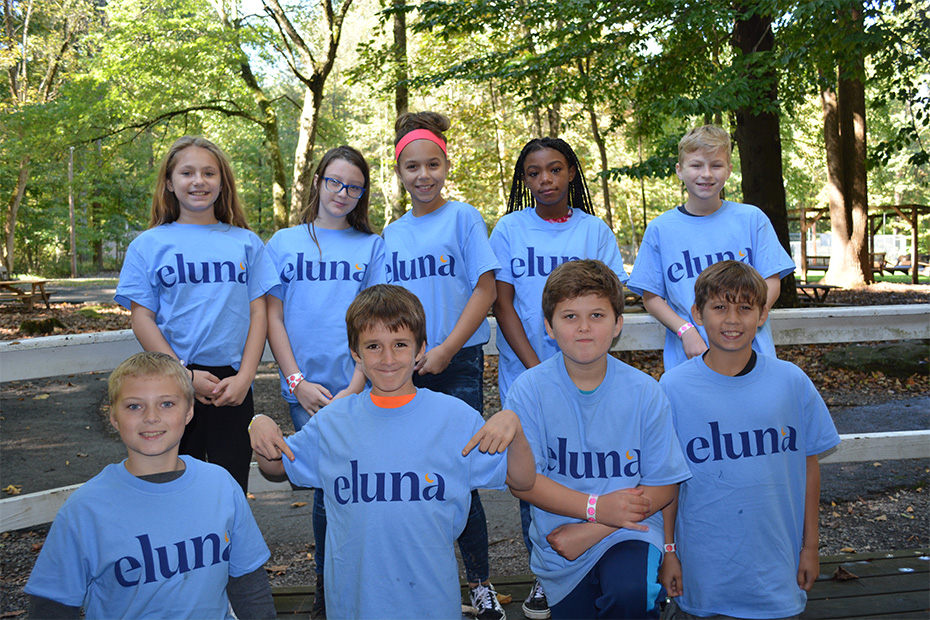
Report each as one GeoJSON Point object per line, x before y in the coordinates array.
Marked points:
{"type": "Point", "coordinates": [758, 132]}
{"type": "Point", "coordinates": [312, 68]}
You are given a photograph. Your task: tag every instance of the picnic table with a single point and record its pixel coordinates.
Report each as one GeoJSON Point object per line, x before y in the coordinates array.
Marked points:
{"type": "Point", "coordinates": [815, 293]}
{"type": "Point", "coordinates": [10, 291]}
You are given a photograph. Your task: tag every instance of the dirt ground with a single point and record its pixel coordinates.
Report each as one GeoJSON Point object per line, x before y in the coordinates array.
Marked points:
{"type": "Point", "coordinates": [54, 432]}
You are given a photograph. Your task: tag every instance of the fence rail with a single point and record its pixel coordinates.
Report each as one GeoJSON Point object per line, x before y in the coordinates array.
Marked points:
{"type": "Point", "coordinates": [58, 355]}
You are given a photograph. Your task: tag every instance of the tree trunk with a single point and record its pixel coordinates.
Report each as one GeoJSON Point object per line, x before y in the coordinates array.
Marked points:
{"type": "Point", "coordinates": [851, 95]}
{"type": "Point", "coordinates": [303, 154]}
{"type": "Point", "coordinates": [602, 151]}
{"type": "Point", "coordinates": [12, 211]}
{"type": "Point", "coordinates": [401, 98]}
{"type": "Point", "coordinates": [758, 137]}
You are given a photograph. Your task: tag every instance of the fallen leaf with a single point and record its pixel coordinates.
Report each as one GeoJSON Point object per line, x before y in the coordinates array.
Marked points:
{"type": "Point", "coordinates": [279, 569]}
{"type": "Point", "coordinates": [298, 504]}
{"type": "Point", "coordinates": [36, 547]}
{"type": "Point", "coordinates": [847, 550]}
{"type": "Point", "coordinates": [40, 397]}
{"type": "Point", "coordinates": [250, 496]}
{"type": "Point", "coordinates": [504, 599]}
{"type": "Point", "coordinates": [876, 464]}
{"type": "Point", "coordinates": [841, 574]}
{"type": "Point", "coordinates": [81, 455]}
{"type": "Point", "coordinates": [13, 489]}
{"type": "Point", "coordinates": [836, 514]}
{"type": "Point", "coordinates": [909, 509]}
{"type": "Point", "coordinates": [881, 518]}
{"type": "Point", "coordinates": [309, 556]}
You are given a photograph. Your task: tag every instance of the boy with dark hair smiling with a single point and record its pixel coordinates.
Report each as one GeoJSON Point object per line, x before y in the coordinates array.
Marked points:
{"type": "Point", "coordinates": [605, 453]}
{"type": "Point", "coordinates": [158, 535]}
{"type": "Point", "coordinates": [742, 538]}
{"type": "Point", "coordinates": [393, 469]}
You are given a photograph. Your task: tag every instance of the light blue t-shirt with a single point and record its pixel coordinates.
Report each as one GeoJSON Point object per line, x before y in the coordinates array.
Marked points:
{"type": "Point", "coordinates": [528, 249]}
{"type": "Point", "coordinates": [316, 294]}
{"type": "Point", "coordinates": [123, 547]}
{"type": "Point", "coordinates": [616, 437]}
{"type": "Point", "coordinates": [398, 492]}
{"type": "Point", "coordinates": [199, 280]}
{"type": "Point", "coordinates": [746, 440]}
{"type": "Point", "coordinates": [677, 247]}
{"type": "Point", "coordinates": [439, 257]}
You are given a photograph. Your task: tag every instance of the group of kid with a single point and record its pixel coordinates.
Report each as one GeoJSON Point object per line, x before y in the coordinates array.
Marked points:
{"type": "Point", "coordinates": [704, 485]}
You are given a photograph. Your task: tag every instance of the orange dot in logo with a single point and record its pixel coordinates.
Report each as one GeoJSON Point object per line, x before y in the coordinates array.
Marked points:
{"type": "Point", "coordinates": [741, 253]}
{"type": "Point", "coordinates": [443, 259]}
{"type": "Point", "coordinates": [242, 266]}
{"type": "Point", "coordinates": [357, 267]}
{"type": "Point", "coordinates": [784, 432]}
{"type": "Point", "coordinates": [628, 456]}
{"type": "Point", "coordinates": [428, 480]}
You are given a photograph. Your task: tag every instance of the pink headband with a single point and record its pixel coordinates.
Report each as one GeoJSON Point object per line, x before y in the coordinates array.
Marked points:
{"type": "Point", "coordinates": [418, 134]}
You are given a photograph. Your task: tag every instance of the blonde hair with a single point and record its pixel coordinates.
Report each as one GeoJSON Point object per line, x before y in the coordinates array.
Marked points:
{"type": "Point", "coordinates": [150, 364]}
{"type": "Point", "coordinates": [733, 280]}
{"type": "Point", "coordinates": [707, 138]}
{"type": "Point", "coordinates": [165, 207]}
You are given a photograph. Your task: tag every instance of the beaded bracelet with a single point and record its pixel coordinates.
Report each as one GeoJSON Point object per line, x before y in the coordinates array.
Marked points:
{"type": "Point", "coordinates": [683, 329]}
{"type": "Point", "coordinates": [591, 509]}
{"type": "Point", "coordinates": [293, 380]}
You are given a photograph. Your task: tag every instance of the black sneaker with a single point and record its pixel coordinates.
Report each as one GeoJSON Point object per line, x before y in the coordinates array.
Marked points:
{"type": "Point", "coordinates": [484, 599]}
{"type": "Point", "coordinates": [536, 607]}
{"type": "Point", "coordinates": [318, 611]}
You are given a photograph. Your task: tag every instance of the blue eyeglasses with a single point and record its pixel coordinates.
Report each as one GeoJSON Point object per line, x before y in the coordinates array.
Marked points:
{"type": "Point", "coordinates": [336, 186]}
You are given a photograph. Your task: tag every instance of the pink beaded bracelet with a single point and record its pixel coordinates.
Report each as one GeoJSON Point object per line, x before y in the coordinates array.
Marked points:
{"type": "Point", "coordinates": [683, 329]}
{"type": "Point", "coordinates": [591, 509]}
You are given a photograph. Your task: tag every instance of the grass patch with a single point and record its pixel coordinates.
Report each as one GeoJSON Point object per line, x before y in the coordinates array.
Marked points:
{"type": "Point", "coordinates": [898, 278]}
{"type": "Point", "coordinates": [77, 282]}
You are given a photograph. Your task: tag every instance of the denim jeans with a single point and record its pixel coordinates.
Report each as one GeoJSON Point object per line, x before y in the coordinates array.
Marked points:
{"type": "Point", "coordinates": [300, 416]}
{"type": "Point", "coordinates": [464, 379]}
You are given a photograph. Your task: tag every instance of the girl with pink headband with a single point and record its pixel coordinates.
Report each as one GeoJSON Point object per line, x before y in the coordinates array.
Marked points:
{"type": "Point", "coordinates": [439, 250]}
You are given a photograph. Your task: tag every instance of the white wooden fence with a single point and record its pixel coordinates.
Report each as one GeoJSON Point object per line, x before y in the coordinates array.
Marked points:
{"type": "Point", "coordinates": [60, 355]}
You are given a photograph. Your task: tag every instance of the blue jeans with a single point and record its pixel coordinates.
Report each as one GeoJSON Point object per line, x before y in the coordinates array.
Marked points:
{"type": "Point", "coordinates": [623, 584]}
{"type": "Point", "coordinates": [300, 416]}
{"type": "Point", "coordinates": [464, 379]}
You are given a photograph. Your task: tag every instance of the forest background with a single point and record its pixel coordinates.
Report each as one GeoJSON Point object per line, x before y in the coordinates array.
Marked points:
{"type": "Point", "coordinates": [828, 102]}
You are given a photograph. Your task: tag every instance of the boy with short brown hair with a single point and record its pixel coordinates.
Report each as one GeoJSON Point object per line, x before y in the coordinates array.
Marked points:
{"type": "Point", "coordinates": [605, 453]}
{"type": "Point", "coordinates": [157, 535]}
{"type": "Point", "coordinates": [392, 465]}
{"type": "Point", "coordinates": [742, 537]}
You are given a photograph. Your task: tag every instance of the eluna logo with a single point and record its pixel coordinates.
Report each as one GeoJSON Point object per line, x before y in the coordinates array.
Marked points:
{"type": "Point", "coordinates": [321, 271]}
{"type": "Point", "coordinates": [152, 564]}
{"type": "Point", "coordinates": [691, 267]}
{"type": "Point", "coordinates": [401, 270]}
{"type": "Point", "coordinates": [534, 264]}
{"type": "Point", "coordinates": [588, 464]}
{"type": "Point", "coordinates": [367, 487]}
{"type": "Point", "coordinates": [204, 272]}
{"type": "Point", "coordinates": [717, 445]}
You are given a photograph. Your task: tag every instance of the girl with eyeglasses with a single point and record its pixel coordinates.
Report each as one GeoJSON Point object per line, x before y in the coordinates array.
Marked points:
{"type": "Point", "coordinates": [322, 264]}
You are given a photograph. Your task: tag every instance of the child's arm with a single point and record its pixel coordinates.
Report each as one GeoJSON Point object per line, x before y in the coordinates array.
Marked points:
{"type": "Point", "coordinates": [510, 325]}
{"type": "Point", "coordinates": [269, 446]}
{"type": "Point", "coordinates": [41, 607]}
{"type": "Point", "coordinates": [145, 328]}
{"type": "Point", "coordinates": [773, 284]}
{"type": "Point", "coordinates": [621, 508]}
{"type": "Point", "coordinates": [504, 432]}
{"type": "Point", "coordinates": [809, 563]}
{"type": "Point", "coordinates": [572, 539]}
{"type": "Point", "coordinates": [356, 384]}
{"type": "Point", "coordinates": [311, 396]}
{"type": "Point", "coordinates": [250, 595]}
{"type": "Point", "coordinates": [475, 311]}
{"type": "Point", "coordinates": [670, 570]}
{"type": "Point", "coordinates": [691, 340]}
{"type": "Point", "coordinates": [233, 390]}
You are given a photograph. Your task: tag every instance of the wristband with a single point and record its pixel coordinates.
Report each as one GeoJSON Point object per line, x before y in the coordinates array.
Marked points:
{"type": "Point", "coordinates": [669, 547]}
{"type": "Point", "coordinates": [683, 329]}
{"type": "Point", "coordinates": [591, 509]}
{"type": "Point", "coordinates": [252, 421]}
{"type": "Point", "coordinates": [293, 380]}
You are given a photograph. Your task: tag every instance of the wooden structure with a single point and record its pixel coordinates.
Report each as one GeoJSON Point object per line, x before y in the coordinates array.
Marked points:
{"type": "Point", "coordinates": [908, 213]}
{"type": "Point", "coordinates": [10, 291]}
{"type": "Point", "coordinates": [886, 585]}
